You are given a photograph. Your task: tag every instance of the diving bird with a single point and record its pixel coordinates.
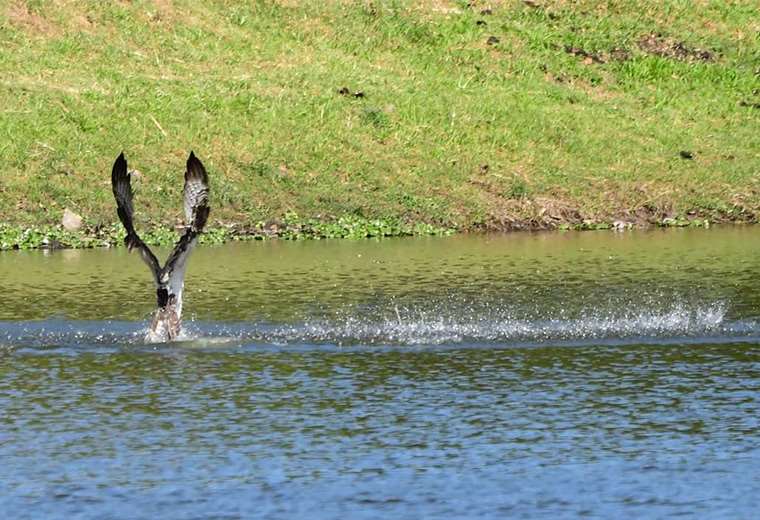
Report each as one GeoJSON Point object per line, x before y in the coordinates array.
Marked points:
{"type": "Point", "coordinates": [169, 279]}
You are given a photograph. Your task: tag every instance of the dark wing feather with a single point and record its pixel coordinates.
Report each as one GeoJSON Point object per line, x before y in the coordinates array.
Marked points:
{"type": "Point", "coordinates": [122, 192]}
{"type": "Point", "coordinates": [196, 214]}
{"type": "Point", "coordinates": [196, 194]}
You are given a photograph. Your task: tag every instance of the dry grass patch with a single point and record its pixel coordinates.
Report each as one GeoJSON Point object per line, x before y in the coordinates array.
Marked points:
{"type": "Point", "coordinates": [23, 17]}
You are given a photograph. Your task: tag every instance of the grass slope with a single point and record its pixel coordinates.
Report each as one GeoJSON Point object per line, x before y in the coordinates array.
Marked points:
{"type": "Point", "coordinates": [451, 114]}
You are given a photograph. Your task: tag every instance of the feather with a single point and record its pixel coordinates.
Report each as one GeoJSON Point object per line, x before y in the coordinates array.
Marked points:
{"type": "Point", "coordinates": [196, 212]}
{"type": "Point", "coordinates": [196, 194]}
{"type": "Point", "coordinates": [122, 192]}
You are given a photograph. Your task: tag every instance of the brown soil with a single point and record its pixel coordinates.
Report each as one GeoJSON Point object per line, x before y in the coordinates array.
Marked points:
{"type": "Point", "coordinates": [659, 45]}
{"type": "Point", "coordinates": [22, 17]}
{"type": "Point", "coordinates": [588, 57]}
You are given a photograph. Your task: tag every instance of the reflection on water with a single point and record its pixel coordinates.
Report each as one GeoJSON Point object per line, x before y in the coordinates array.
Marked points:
{"type": "Point", "coordinates": [550, 375]}
{"type": "Point", "coordinates": [496, 289]}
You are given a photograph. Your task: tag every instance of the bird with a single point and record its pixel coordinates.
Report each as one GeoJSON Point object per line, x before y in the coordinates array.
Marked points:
{"type": "Point", "coordinates": [169, 279]}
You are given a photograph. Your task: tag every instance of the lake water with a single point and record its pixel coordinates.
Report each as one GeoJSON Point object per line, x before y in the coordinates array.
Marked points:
{"type": "Point", "coordinates": [595, 375]}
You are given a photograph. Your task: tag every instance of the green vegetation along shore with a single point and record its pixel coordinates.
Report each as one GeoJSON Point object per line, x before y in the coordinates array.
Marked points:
{"type": "Point", "coordinates": [374, 118]}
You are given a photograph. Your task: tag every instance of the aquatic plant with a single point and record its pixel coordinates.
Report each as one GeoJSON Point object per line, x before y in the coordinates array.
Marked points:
{"type": "Point", "coordinates": [290, 228]}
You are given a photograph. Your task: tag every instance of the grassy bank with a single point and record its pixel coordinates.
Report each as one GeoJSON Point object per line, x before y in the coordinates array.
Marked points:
{"type": "Point", "coordinates": [416, 116]}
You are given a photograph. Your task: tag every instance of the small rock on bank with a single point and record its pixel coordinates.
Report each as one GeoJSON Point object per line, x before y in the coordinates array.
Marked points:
{"type": "Point", "coordinates": [71, 221]}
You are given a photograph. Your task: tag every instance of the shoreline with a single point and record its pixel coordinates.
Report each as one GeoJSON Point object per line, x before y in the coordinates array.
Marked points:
{"type": "Point", "coordinates": [55, 237]}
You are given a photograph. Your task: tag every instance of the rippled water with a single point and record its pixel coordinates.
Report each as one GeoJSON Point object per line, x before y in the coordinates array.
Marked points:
{"type": "Point", "coordinates": [551, 375]}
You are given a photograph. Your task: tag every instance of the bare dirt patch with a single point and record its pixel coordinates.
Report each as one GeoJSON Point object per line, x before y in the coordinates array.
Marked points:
{"type": "Point", "coordinates": [24, 18]}
{"type": "Point", "coordinates": [659, 45]}
{"type": "Point", "coordinates": [588, 57]}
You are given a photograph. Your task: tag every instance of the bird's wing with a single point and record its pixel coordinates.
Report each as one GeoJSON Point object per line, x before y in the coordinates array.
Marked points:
{"type": "Point", "coordinates": [122, 192]}
{"type": "Point", "coordinates": [196, 194]}
{"type": "Point", "coordinates": [174, 270]}
{"type": "Point", "coordinates": [196, 213]}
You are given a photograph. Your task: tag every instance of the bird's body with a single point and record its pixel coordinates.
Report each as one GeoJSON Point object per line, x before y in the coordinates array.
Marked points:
{"type": "Point", "coordinates": [169, 279]}
{"type": "Point", "coordinates": [165, 326]}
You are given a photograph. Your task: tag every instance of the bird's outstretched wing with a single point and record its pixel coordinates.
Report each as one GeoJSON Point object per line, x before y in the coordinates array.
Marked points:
{"type": "Point", "coordinates": [196, 214]}
{"type": "Point", "coordinates": [122, 192]}
{"type": "Point", "coordinates": [196, 194]}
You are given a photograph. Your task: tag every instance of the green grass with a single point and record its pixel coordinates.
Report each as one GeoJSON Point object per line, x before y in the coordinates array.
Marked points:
{"type": "Point", "coordinates": [452, 132]}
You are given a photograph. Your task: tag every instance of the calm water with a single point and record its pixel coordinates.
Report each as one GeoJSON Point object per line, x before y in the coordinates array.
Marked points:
{"type": "Point", "coordinates": [592, 375]}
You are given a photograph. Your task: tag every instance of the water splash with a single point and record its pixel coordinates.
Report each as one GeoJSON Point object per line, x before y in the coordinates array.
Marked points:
{"type": "Point", "coordinates": [494, 325]}
{"type": "Point", "coordinates": [402, 326]}
{"type": "Point", "coordinates": [425, 327]}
